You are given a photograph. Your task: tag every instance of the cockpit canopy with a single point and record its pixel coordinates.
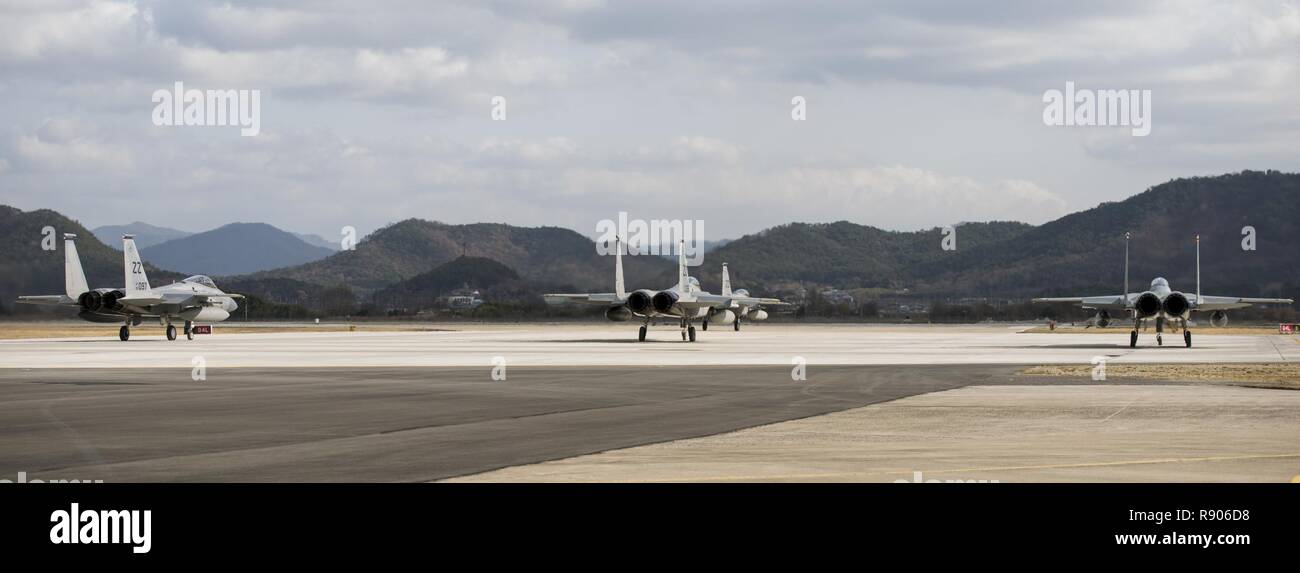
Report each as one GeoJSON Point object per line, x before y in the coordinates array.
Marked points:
{"type": "Point", "coordinates": [201, 280]}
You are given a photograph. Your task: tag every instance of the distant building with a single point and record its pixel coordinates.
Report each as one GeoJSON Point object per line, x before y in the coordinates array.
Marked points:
{"type": "Point", "coordinates": [837, 297]}
{"type": "Point", "coordinates": [461, 302]}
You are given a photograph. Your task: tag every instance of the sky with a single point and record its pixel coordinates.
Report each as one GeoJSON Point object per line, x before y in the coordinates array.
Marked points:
{"type": "Point", "coordinates": [917, 114]}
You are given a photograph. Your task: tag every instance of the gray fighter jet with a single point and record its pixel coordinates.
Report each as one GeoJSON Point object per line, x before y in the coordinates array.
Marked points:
{"type": "Point", "coordinates": [684, 302]}
{"type": "Point", "coordinates": [195, 299]}
{"type": "Point", "coordinates": [1163, 304]}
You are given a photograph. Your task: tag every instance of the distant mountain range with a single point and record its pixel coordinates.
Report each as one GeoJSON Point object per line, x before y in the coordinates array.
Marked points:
{"type": "Point", "coordinates": [27, 269]}
{"type": "Point", "coordinates": [1081, 253]}
{"type": "Point", "coordinates": [401, 251]}
{"type": "Point", "coordinates": [318, 241]}
{"type": "Point", "coordinates": [146, 235]}
{"type": "Point", "coordinates": [413, 261]}
{"type": "Point", "coordinates": [234, 249]}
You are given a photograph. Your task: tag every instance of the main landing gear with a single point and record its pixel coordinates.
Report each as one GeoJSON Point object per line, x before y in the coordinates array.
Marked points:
{"type": "Point", "coordinates": [688, 331]}
{"type": "Point", "coordinates": [124, 333]}
{"type": "Point", "coordinates": [736, 324]}
{"type": "Point", "coordinates": [189, 334]}
{"type": "Point", "coordinates": [171, 332]}
{"type": "Point", "coordinates": [1160, 328]}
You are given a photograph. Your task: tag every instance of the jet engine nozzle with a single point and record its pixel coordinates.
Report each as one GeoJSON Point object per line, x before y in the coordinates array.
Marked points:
{"type": "Point", "coordinates": [1147, 304]}
{"type": "Point", "coordinates": [1219, 319]}
{"type": "Point", "coordinates": [91, 300]}
{"type": "Point", "coordinates": [110, 299]}
{"type": "Point", "coordinates": [618, 314]}
{"type": "Point", "coordinates": [1176, 304]}
{"type": "Point", "coordinates": [640, 301]}
{"type": "Point", "coordinates": [664, 301]}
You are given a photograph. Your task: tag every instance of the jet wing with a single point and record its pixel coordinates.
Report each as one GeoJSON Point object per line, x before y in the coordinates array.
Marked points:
{"type": "Point", "coordinates": [193, 299]}
{"type": "Point", "coordinates": [755, 301]}
{"type": "Point", "coordinates": [59, 299]}
{"type": "Point", "coordinates": [708, 301]}
{"type": "Point", "coordinates": [601, 298]}
{"type": "Point", "coordinates": [1231, 302]}
{"type": "Point", "coordinates": [1107, 302]}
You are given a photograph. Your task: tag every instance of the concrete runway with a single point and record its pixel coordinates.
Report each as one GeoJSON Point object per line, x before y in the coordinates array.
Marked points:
{"type": "Point", "coordinates": [399, 424]}
{"type": "Point", "coordinates": [422, 406]}
{"type": "Point", "coordinates": [615, 344]}
{"type": "Point", "coordinates": [1004, 434]}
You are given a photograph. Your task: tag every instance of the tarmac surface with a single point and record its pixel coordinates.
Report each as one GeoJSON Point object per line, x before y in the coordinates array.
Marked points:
{"type": "Point", "coordinates": [878, 402]}
{"type": "Point", "coordinates": [399, 424]}
{"type": "Point", "coordinates": [616, 344]}
{"type": "Point", "coordinates": [982, 434]}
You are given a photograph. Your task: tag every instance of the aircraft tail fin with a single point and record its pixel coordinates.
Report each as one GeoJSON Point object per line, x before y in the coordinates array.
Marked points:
{"type": "Point", "coordinates": [683, 278]}
{"type": "Point", "coordinates": [726, 281]}
{"type": "Point", "coordinates": [1126, 238]}
{"type": "Point", "coordinates": [1198, 269]}
{"type": "Point", "coordinates": [74, 279]}
{"type": "Point", "coordinates": [137, 284]}
{"type": "Point", "coordinates": [620, 288]}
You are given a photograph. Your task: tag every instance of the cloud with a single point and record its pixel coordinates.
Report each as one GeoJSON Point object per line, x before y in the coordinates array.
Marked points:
{"type": "Point", "coordinates": [920, 113]}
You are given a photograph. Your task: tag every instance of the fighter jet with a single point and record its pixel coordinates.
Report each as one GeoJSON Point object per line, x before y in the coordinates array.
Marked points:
{"type": "Point", "coordinates": [684, 302]}
{"type": "Point", "coordinates": [743, 306]}
{"type": "Point", "coordinates": [1163, 304]}
{"type": "Point", "coordinates": [195, 299]}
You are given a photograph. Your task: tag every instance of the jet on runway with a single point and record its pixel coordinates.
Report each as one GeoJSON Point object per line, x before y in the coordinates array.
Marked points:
{"type": "Point", "coordinates": [195, 299]}
{"type": "Point", "coordinates": [742, 307]}
{"type": "Point", "coordinates": [1163, 304]}
{"type": "Point", "coordinates": [683, 302]}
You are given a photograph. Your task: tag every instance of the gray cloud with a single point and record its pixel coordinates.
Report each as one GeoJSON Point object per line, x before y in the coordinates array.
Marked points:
{"type": "Point", "coordinates": [920, 113]}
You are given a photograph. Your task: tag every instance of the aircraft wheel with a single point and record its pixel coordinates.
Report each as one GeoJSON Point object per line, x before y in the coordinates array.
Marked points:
{"type": "Point", "coordinates": [1187, 338]}
{"type": "Point", "coordinates": [1159, 341]}
{"type": "Point", "coordinates": [705, 326]}
{"type": "Point", "coordinates": [691, 332]}
{"type": "Point", "coordinates": [171, 332]}
{"type": "Point", "coordinates": [737, 325]}
{"type": "Point", "coordinates": [1133, 339]}
{"type": "Point", "coordinates": [189, 335]}
{"type": "Point", "coordinates": [640, 337]}
{"type": "Point", "coordinates": [124, 333]}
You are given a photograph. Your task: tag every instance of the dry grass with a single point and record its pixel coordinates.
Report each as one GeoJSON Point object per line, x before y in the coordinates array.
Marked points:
{"type": "Point", "coordinates": [1283, 375]}
{"type": "Point", "coordinates": [1122, 329]}
{"type": "Point", "coordinates": [10, 331]}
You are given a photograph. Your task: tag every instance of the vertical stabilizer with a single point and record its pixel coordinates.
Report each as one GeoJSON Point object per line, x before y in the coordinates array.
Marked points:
{"type": "Point", "coordinates": [74, 279]}
{"type": "Point", "coordinates": [1126, 238]}
{"type": "Point", "coordinates": [619, 288]}
{"type": "Point", "coordinates": [137, 284]}
{"type": "Point", "coordinates": [1198, 269]}
{"type": "Point", "coordinates": [726, 281]}
{"type": "Point", "coordinates": [683, 279]}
